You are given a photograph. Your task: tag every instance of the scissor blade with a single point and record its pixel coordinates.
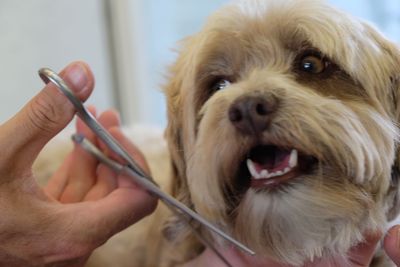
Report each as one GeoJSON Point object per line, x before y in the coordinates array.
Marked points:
{"type": "Point", "coordinates": [132, 169]}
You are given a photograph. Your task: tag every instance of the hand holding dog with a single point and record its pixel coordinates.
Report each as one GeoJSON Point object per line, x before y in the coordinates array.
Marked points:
{"type": "Point", "coordinates": [38, 228]}
{"type": "Point", "coordinates": [359, 256]}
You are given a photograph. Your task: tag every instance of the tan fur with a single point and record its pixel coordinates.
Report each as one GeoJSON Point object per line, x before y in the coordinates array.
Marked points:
{"type": "Point", "coordinates": [350, 126]}
{"type": "Point", "coordinates": [348, 121]}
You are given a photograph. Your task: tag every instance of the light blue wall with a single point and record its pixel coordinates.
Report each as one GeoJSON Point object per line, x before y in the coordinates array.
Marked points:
{"type": "Point", "coordinates": [167, 22]}
{"type": "Point", "coordinates": [385, 14]}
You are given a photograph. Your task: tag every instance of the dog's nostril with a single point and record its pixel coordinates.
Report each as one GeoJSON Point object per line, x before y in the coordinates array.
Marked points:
{"type": "Point", "coordinates": [252, 114]}
{"type": "Point", "coordinates": [235, 115]}
{"type": "Point", "coordinates": [261, 109]}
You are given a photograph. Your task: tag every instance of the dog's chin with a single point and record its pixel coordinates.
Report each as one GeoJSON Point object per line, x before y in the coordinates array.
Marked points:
{"type": "Point", "coordinates": [268, 167]}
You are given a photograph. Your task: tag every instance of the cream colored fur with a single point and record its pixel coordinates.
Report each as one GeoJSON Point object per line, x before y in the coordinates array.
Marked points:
{"type": "Point", "coordinates": [346, 120]}
{"type": "Point", "coordinates": [349, 126]}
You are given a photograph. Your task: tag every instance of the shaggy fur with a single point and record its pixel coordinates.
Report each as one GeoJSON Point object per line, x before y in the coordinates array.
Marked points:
{"type": "Point", "coordinates": [342, 121]}
{"type": "Point", "coordinates": [344, 118]}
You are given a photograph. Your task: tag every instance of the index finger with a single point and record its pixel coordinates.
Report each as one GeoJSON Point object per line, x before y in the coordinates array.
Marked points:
{"type": "Point", "coordinates": [132, 150]}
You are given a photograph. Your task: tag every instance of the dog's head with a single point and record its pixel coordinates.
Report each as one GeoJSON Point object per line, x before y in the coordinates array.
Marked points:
{"type": "Point", "coordinates": [282, 126]}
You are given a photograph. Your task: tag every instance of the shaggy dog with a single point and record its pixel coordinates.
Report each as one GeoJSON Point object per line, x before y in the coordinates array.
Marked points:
{"type": "Point", "coordinates": [282, 127]}
{"type": "Point", "coordinates": [282, 131]}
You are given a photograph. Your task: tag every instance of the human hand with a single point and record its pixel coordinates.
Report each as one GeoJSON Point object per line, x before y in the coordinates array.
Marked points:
{"type": "Point", "coordinates": [392, 244]}
{"type": "Point", "coordinates": [35, 228]}
{"type": "Point", "coordinates": [81, 177]}
{"type": "Point", "coordinates": [358, 256]}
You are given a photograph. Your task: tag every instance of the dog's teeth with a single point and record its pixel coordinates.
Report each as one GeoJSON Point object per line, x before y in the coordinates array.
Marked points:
{"type": "Point", "coordinates": [252, 169]}
{"type": "Point", "coordinates": [264, 174]}
{"type": "Point", "coordinates": [293, 158]}
{"type": "Point", "coordinates": [274, 174]}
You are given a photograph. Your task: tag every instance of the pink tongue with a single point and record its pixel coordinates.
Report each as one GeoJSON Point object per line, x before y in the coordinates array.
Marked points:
{"type": "Point", "coordinates": [277, 163]}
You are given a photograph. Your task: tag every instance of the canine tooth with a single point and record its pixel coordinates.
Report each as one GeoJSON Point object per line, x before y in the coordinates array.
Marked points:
{"type": "Point", "coordinates": [293, 158]}
{"type": "Point", "coordinates": [286, 170]}
{"type": "Point", "coordinates": [252, 169]}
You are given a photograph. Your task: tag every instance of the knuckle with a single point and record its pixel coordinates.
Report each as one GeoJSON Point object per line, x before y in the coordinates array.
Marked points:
{"type": "Point", "coordinates": [43, 115]}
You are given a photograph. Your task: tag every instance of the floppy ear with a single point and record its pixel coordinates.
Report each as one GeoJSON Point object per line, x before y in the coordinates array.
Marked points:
{"type": "Point", "coordinates": [387, 86]}
{"type": "Point", "coordinates": [176, 229]}
{"type": "Point", "coordinates": [394, 189]}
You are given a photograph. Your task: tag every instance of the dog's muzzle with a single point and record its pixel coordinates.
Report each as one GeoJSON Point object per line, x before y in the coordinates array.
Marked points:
{"type": "Point", "coordinates": [266, 164]}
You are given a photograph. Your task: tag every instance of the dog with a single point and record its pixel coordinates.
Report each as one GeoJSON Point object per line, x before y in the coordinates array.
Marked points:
{"type": "Point", "coordinates": [282, 131]}
{"type": "Point", "coordinates": [282, 128]}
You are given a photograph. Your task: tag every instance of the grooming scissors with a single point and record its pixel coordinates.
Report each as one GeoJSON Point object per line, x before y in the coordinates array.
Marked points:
{"type": "Point", "coordinates": [132, 169]}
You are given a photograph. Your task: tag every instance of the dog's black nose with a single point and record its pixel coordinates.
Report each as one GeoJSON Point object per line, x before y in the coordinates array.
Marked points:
{"type": "Point", "coordinates": [252, 114]}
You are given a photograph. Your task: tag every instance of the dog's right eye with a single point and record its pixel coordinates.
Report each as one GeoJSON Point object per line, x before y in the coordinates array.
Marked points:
{"type": "Point", "coordinates": [220, 84]}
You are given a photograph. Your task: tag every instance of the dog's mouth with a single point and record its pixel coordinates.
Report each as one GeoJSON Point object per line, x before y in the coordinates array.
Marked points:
{"type": "Point", "coordinates": [269, 165]}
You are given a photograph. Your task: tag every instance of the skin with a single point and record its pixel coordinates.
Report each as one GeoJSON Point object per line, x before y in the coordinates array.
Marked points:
{"type": "Point", "coordinates": [85, 203]}
{"type": "Point", "coordinates": [61, 224]}
{"type": "Point", "coordinates": [359, 256]}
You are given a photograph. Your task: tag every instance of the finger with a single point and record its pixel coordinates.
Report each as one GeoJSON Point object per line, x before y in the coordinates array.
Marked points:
{"type": "Point", "coordinates": [106, 183]}
{"type": "Point", "coordinates": [106, 180]}
{"type": "Point", "coordinates": [57, 183]}
{"type": "Point", "coordinates": [81, 126]}
{"type": "Point", "coordinates": [113, 213]}
{"type": "Point", "coordinates": [392, 244]}
{"type": "Point", "coordinates": [109, 119]}
{"type": "Point", "coordinates": [82, 171]}
{"type": "Point", "coordinates": [132, 150]}
{"type": "Point", "coordinates": [122, 207]}
{"type": "Point", "coordinates": [362, 254]}
{"type": "Point", "coordinates": [42, 118]}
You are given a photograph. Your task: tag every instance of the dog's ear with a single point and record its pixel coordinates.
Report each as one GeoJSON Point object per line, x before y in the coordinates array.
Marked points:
{"type": "Point", "coordinates": [393, 195]}
{"type": "Point", "coordinates": [387, 80]}
{"type": "Point", "coordinates": [381, 62]}
{"type": "Point", "coordinates": [176, 229]}
{"type": "Point", "coordinates": [394, 190]}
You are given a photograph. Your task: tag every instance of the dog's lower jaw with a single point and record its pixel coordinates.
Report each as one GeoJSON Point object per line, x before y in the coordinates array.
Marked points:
{"type": "Point", "coordinates": [301, 222]}
{"type": "Point", "coordinates": [295, 226]}
{"type": "Point", "coordinates": [295, 230]}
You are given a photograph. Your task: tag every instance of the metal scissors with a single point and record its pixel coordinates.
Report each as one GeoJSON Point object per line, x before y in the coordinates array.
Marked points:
{"type": "Point", "coordinates": [132, 169]}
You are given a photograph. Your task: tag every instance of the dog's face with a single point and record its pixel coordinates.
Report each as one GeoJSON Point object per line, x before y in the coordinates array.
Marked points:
{"type": "Point", "coordinates": [282, 127]}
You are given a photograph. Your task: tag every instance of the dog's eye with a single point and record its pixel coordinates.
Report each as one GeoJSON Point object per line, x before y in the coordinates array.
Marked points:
{"type": "Point", "coordinates": [220, 84]}
{"type": "Point", "coordinates": [313, 64]}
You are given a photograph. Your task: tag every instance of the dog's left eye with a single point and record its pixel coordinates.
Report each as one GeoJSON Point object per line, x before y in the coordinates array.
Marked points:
{"type": "Point", "coordinates": [220, 84]}
{"type": "Point", "coordinates": [313, 64]}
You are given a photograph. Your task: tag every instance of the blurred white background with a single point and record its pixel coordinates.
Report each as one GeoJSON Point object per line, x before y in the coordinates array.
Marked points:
{"type": "Point", "coordinates": [128, 43]}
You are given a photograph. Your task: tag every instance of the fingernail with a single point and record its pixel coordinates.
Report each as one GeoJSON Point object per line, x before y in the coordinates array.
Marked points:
{"type": "Point", "coordinates": [76, 77]}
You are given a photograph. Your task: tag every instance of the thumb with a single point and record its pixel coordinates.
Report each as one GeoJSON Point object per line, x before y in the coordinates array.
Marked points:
{"type": "Point", "coordinates": [392, 244]}
{"type": "Point", "coordinates": [362, 254]}
{"type": "Point", "coordinates": [42, 118]}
